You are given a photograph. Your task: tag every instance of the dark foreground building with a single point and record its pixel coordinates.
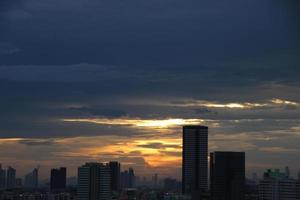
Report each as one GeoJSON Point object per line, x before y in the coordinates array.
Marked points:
{"type": "Point", "coordinates": [194, 161]}
{"type": "Point", "coordinates": [227, 175]}
{"type": "Point", "coordinates": [58, 179]}
{"type": "Point", "coordinates": [93, 182]}
{"type": "Point", "coordinates": [115, 172]}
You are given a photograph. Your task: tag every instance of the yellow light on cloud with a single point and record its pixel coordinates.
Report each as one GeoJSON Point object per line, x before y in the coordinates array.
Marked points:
{"type": "Point", "coordinates": [283, 102]}
{"type": "Point", "coordinates": [155, 123]}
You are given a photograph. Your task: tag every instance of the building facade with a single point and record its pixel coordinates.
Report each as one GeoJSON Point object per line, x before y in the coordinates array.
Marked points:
{"type": "Point", "coordinates": [227, 176]}
{"type": "Point", "coordinates": [58, 179]}
{"type": "Point", "coordinates": [276, 186]}
{"type": "Point", "coordinates": [94, 182]}
{"type": "Point", "coordinates": [2, 177]}
{"type": "Point", "coordinates": [195, 161]}
{"type": "Point", "coordinates": [115, 172]}
{"type": "Point", "coordinates": [10, 177]}
{"type": "Point", "coordinates": [127, 179]}
{"type": "Point", "coordinates": [31, 180]}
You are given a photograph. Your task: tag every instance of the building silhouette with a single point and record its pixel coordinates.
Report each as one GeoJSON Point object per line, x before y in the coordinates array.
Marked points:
{"type": "Point", "coordinates": [195, 161]}
{"type": "Point", "coordinates": [171, 185]}
{"type": "Point", "coordinates": [127, 178]}
{"type": "Point", "coordinates": [2, 177]}
{"type": "Point", "coordinates": [115, 172]}
{"type": "Point", "coordinates": [31, 180]}
{"type": "Point", "coordinates": [277, 186]}
{"type": "Point", "coordinates": [287, 172]}
{"type": "Point", "coordinates": [155, 180]}
{"type": "Point", "coordinates": [19, 183]}
{"type": "Point", "coordinates": [58, 179]}
{"type": "Point", "coordinates": [94, 182]}
{"type": "Point", "coordinates": [227, 175]}
{"type": "Point", "coordinates": [10, 177]}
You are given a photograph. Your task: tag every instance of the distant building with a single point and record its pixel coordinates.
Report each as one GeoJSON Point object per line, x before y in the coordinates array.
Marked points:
{"type": "Point", "coordinates": [10, 177]}
{"type": "Point", "coordinates": [227, 175]}
{"type": "Point", "coordinates": [94, 182]}
{"type": "Point", "coordinates": [155, 180]}
{"type": "Point", "coordinates": [298, 175]}
{"type": "Point", "coordinates": [287, 172]}
{"type": "Point", "coordinates": [31, 180]}
{"type": "Point", "coordinates": [171, 185]}
{"type": "Point", "coordinates": [131, 177]}
{"type": "Point", "coordinates": [255, 178]}
{"type": "Point", "coordinates": [115, 172]}
{"type": "Point", "coordinates": [59, 196]}
{"type": "Point", "coordinates": [127, 178]}
{"type": "Point", "coordinates": [2, 177]}
{"type": "Point", "coordinates": [19, 183]}
{"type": "Point", "coordinates": [195, 161]}
{"type": "Point", "coordinates": [58, 179]}
{"type": "Point", "coordinates": [129, 194]}
{"type": "Point", "coordinates": [276, 186]}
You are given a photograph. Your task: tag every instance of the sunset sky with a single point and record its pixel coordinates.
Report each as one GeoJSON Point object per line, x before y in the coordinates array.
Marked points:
{"type": "Point", "coordinates": [101, 80]}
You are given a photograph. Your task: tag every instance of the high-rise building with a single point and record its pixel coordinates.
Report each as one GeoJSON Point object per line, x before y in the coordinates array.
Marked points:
{"type": "Point", "coordinates": [227, 175]}
{"type": "Point", "coordinates": [2, 177]}
{"type": "Point", "coordinates": [155, 180]}
{"type": "Point", "coordinates": [298, 175]}
{"type": "Point", "coordinates": [195, 161]}
{"type": "Point", "coordinates": [131, 177]}
{"type": "Point", "coordinates": [94, 182]}
{"type": "Point", "coordinates": [287, 172]}
{"type": "Point", "coordinates": [115, 170]}
{"type": "Point", "coordinates": [277, 186]}
{"type": "Point", "coordinates": [58, 179]}
{"type": "Point", "coordinates": [127, 178]}
{"type": "Point", "coordinates": [31, 179]}
{"type": "Point", "coordinates": [10, 177]}
{"type": "Point", "coordinates": [172, 185]}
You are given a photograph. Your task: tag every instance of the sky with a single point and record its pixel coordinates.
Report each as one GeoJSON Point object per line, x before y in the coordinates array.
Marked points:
{"type": "Point", "coordinates": [101, 80]}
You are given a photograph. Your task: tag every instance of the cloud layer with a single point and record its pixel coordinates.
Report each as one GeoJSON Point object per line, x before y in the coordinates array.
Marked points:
{"type": "Point", "coordinates": [98, 80]}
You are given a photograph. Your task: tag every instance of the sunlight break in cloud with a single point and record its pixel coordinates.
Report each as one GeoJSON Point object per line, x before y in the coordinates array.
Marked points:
{"type": "Point", "coordinates": [235, 105]}
{"type": "Point", "coordinates": [154, 123]}
{"type": "Point", "coordinates": [284, 102]}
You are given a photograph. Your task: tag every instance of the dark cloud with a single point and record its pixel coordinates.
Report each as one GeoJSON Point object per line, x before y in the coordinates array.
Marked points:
{"type": "Point", "coordinates": [148, 33]}
{"type": "Point", "coordinates": [97, 112]}
{"type": "Point", "coordinates": [205, 111]}
{"type": "Point", "coordinates": [37, 142]}
{"type": "Point", "coordinates": [139, 59]}
{"type": "Point", "coordinates": [7, 5]}
{"type": "Point", "coordinates": [158, 145]}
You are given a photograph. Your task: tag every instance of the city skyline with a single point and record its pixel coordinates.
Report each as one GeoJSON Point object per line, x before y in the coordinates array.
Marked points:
{"type": "Point", "coordinates": [98, 80]}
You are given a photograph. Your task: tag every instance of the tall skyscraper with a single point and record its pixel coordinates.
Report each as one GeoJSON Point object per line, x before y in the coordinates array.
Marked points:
{"type": "Point", "coordinates": [277, 186]}
{"type": "Point", "coordinates": [2, 177]}
{"type": "Point", "coordinates": [58, 179]}
{"type": "Point", "coordinates": [127, 178]}
{"type": "Point", "coordinates": [94, 182]}
{"type": "Point", "coordinates": [31, 179]}
{"type": "Point", "coordinates": [115, 170]}
{"type": "Point", "coordinates": [195, 161]}
{"type": "Point", "coordinates": [131, 177]}
{"type": "Point", "coordinates": [10, 177]}
{"type": "Point", "coordinates": [227, 175]}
